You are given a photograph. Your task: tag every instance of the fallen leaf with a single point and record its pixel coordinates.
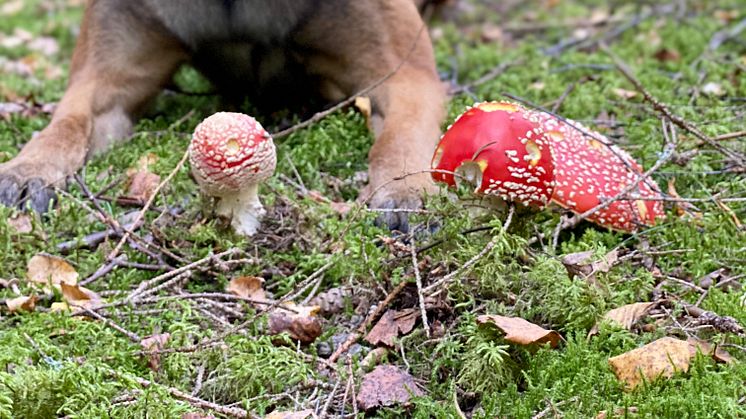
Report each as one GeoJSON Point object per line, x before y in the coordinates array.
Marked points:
{"type": "Point", "coordinates": [21, 223]}
{"type": "Point", "coordinates": [626, 316]}
{"type": "Point", "coordinates": [666, 54]}
{"type": "Point", "coordinates": [392, 324]}
{"type": "Point", "coordinates": [248, 287]}
{"type": "Point", "coordinates": [708, 349]}
{"type": "Point", "coordinates": [303, 414]}
{"type": "Point", "coordinates": [683, 208]}
{"type": "Point", "coordinates": [50, 270]}
{"type": "Point", "coordinates": [151, 345]}
{"type": "Point", "coordinates": [577, 263]}
{"type": "Point", "coordinates": [520, 331]}
{"type": "Point", "coordinates": [301, 323]}
{"type": "Point", "coordinates": [713, 89]}
{"type": "Point", "coordinates": [664, 357]}
{"type": "Point", "coordinates": [22, 303]}
{"type": "Point", "coordinates": [386, 385]}
{"type": "Point", "coordinates": [142, 186]}
{"type": "Point", "coordinates": [77, 296]}
{"type": "Point", "coordinates": [624, 94]}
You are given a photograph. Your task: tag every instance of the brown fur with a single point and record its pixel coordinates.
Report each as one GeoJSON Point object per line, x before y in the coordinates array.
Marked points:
{"type": "Point", "coordinates": [129, 49]}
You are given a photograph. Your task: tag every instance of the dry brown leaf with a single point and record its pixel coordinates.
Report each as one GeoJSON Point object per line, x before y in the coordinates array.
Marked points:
{"type": "Point", "coordinates": [708, 349]}
{"type": "Point", "coordinates": [392, 324]}
{"type": "Point", "coordinates": [151, 345]}
{"type": "Point", "coordinates": [21, 223]}
{"type": "Point", "coordinates": [624, 94]}
{"type": "Point", "coordinates": [626, 316]}
{"type": "Point", "coordinates": [303, 414]}
{"type": "Point", "coordinates": [579, 263]}
{"type": "Point", "coordinates": [666, 54]}
{"type": "Point", "coordinates": [301, 323]}
{"type": "Point", "coordinates": [50, 270]}
{"type": "Point", "coordinates": [520, 331]}
{"type": "Point", "coordinates": [248, 287]}
{"type": "Point", "coordinates": [682, 208]}
{"type": "Point", "coordinates": [22, 303]}
{"type": "Point", "coordinates": [142, 186]}
{"type": "Point", "coordinates": [386, 385]}
{"type": "Point", "coordinates": [663, 358]}
{"type": "Point", "coordinates": [77, 296]}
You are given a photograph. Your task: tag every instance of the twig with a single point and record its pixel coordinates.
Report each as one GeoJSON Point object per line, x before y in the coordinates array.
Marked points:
{"type": "Point", "coordinates": [144, 210]}
{"type": "Point", "coordinates": [448, 278]}
{"type": "Point", "coordinates": [663, 109]}
{"type": "Point", "coordinates": [418, 281]}
{"type": "Point", "coordinates": [235, 412]}
{"type": "Point", "coordinates": [364, 326]}
{"type": "Point", "coordinates": [131, 335]}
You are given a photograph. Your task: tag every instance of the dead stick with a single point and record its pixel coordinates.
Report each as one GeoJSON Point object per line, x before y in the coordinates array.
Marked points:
{"type": "Point", "coordinates": [364, 326]}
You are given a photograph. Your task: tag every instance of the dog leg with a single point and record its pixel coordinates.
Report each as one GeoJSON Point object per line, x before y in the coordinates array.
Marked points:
{"type": "Point", "coordinates": [387, 38]}
{"type": "Point", "coordinates": [119, 63]}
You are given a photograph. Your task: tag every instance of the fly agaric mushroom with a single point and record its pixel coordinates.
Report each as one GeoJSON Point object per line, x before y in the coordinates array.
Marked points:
{"type": "Point", "coordinates": [502, 149]}
{"type": "Point", "coordinates": [534, 158]}
{"type": "Point", "coordinates": [230, 155]}
{"type": "Point", "coordinates": [589, 170]}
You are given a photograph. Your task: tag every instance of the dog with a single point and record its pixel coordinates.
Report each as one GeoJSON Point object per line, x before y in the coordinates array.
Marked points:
{"type": "Point", "coordinates": [128, 50]}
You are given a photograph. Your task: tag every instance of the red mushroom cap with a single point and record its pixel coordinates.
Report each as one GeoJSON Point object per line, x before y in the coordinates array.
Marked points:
{"type": "Point", "coordinates": [501, 148]}
{"type": "Point", "coordinates": [230, 151]}
{"type": "Point", "coordinates": [589, 171]}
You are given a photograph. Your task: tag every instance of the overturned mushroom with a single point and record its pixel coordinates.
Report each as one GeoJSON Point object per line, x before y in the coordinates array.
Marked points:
{"type": "Point", "coordinates": [589, 170]}
{"type": "Point", "coordinates": [534, 158]}
{"type": "Point", "coordinates": [230, 155]}
{"type": "Point", "coordinates": [502, 149]}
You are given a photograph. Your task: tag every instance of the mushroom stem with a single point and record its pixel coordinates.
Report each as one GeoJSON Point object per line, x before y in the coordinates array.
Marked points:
{"type": "Point", "coordinates": [243, 208]}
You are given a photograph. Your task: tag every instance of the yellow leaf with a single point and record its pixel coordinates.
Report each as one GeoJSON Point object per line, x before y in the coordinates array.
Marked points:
{"type": "Point", "coordinates": [520, 331]}
{"type": "Point", "coordinates": [661, 358]}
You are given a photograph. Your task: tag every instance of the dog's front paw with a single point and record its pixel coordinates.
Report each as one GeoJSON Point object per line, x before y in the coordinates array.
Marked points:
{"type": "Point", "coordinates": [397, 202]}
{"type": "Point", "coordinates": [28, 186]}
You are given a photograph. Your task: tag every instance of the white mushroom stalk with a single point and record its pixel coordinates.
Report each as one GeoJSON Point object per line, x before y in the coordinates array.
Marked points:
{"type": "Point", "coordinates": [231, 155]}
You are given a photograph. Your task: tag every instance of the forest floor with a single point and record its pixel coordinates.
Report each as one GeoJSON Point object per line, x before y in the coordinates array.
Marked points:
{"type": "Point", "coordinates": [177, 329]}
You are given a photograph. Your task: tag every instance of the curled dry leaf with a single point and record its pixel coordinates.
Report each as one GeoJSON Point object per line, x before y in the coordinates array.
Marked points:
{"type": "Point", "coordinates": [392, 324]}
{"type": "Point", "coordinates": [248, 287]}
{"type": "Point", "coordinates": [301, 323]}
{"type": "Point", "coordinates": [21, 303]}
{"type": "Point", "coordinates": [50, 270]}
{"type": "Point", "coordinates": [152, 345]}
{"type": "Point", "coordinates": [77, 296]}
{"type": "Point", "coordinates": [579, 264]}
{"type": "Point", "coordinates": [626, 316]}
{"type": "Point", "coordinates": [142, 186]}
{"type": "Point", "coordinates": [708, 349]}
{"type": "Point", "coordinates": [683, 208]}
{"type": "Point", "coordinates": [386, 385]}
{"type": "Point", "coordinates": [520, 331]}
{"type": "Point", "coordinates": [303, 414]}
{"type": "Point", "coordinates": [661, 358]}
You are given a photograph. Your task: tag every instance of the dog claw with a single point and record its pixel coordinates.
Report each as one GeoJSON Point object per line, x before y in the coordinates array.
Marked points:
{"type": "Point", "coordinates": [34, 194]}
{"type": "Point", "coordinates": [39, 195]}
{"type": "Point", "coordinates": [10, 191]}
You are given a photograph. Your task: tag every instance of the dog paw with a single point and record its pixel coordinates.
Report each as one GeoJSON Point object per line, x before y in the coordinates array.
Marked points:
{"type": "Point", "coordinates": [396, 203]}
{"type": "Point", "coordinates": [24, 188]}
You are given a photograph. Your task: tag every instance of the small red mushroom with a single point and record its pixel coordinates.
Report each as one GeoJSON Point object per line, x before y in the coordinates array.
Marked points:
{"type": "Point", "coordinates": [230, 155]}
{"type": "Point", "coordinates": [502, 149]}
{"type": "Point", "coordinates": [589, 170]}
